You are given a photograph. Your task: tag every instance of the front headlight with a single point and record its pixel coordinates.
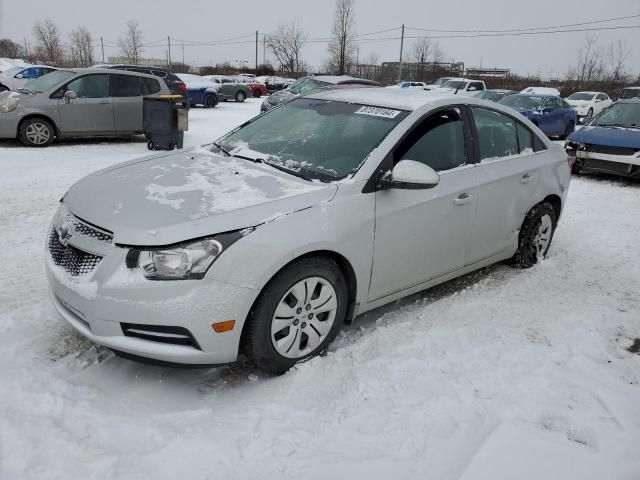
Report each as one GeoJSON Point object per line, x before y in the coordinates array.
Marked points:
{"type": "Point", "coordinates": [188, 261]}
{"type": "Point", "coordinates": [9, 104]}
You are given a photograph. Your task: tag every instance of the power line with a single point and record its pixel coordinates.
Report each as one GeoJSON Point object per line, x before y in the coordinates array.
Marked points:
{"type": "Point", "coordinates": [546, 32]}
{"type": "Point", "coordinates": [591, 22]}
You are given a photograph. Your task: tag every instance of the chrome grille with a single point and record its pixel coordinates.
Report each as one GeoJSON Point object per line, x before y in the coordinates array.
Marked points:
{"type": "Point", "coordinates": [610, 150]}
{"type": "Point", "coordinates": [76, 225]}
{"type": "Point", "coordinates": [72, 260]}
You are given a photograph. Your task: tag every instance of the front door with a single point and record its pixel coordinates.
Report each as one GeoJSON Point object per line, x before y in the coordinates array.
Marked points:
{"type": "Point", "coordinates": [421, 235]}
{"type": "Point", "coordinates": [92, 111]}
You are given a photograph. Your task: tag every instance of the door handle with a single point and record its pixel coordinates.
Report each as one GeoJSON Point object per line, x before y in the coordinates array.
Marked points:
{"type": "Point", "coordinates": [526, 178]}
{"type": "Point", "coordinates": [106, 102]}
{"type": "Point", "coordinates": [463, 199]}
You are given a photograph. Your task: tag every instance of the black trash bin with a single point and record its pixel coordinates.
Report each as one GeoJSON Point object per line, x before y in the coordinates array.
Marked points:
{"type": "Point", "coordinates": [165, 121]}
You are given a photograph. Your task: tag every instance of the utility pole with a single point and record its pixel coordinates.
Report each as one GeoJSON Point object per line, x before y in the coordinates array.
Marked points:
{"type": "Point", "coordinates": [169, 52]}
{"type": "Point", "coordinates": [183, 54]}
{"type": "Point", "coordinates": [264, 49]}
{"type": "Point", "coordinates": [256, 51]}
{"type": "Point", "coordinates": [102, 46]}
{"type": "Point", "coordinates": [401, 49]}
{"type": "Point", "coordinates": [26, 50]}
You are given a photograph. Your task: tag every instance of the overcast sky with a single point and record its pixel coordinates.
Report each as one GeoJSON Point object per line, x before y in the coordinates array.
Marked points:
{"type": "Point", "coordinates": [209, 20]}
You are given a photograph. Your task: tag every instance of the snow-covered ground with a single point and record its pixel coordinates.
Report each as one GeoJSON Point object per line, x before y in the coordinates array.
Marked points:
{"type": "Point", "coordinates": [502, 374]}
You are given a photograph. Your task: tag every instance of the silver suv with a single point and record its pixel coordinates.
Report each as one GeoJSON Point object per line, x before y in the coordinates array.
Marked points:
{"type": "Point", "coordinates": [271, 238]}
{"type": "Point", "coordinates": [77, 103]}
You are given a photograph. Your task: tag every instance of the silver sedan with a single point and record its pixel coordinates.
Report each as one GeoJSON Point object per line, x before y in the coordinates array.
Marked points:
{"type": "Point", "coordinates": [267, 241]}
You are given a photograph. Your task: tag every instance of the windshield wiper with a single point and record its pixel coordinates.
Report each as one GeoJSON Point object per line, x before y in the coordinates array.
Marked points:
{"type": "Point", "coordinates": [221, 148]}
{"type": "Point", "coordinates": [26, 90]}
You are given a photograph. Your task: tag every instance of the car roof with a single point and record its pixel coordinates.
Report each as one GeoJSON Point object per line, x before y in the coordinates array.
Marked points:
{"type": "Point", "coordinates": [499, 90]}
{"type": "Point", "coordinates": [342, 79]}
{"type": "Point", "coordinates": [406, 99]}
{"type": "Point", "coordinates": [588, 91]}
{"type": "Point", "coordinates": [629, 100]}
{"type": "Point", "coordinates": [109, 70]}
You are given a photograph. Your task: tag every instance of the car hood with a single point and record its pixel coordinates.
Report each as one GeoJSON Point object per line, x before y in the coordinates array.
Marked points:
{"type": "Point", "coordinates": [281, 96]}
{"type": "Point", "coordinates": [608, 136]}
{"type": "Point", "coordinates": [167, 199]}
{"type": "Point", "coordinates": [578, 103]}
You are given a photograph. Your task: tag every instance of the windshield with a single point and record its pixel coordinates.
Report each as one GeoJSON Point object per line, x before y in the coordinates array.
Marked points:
{"type": "Point", "coordinates": [313, 139]}
{"type": "Point", "coordinates": [440, 81]}
{"type": "Point", "coordinates": [581, 96]}
{"type": "Point", "coordinates": [11, 71]}
{"type": "Point", "coordinates": [619, 115]}
{"type": "Point", "coordinates": [524, 102]}
{"type": "Point", "coordinates": [630, 93]}
{"type": "Point", "coordinates": [455, 84]}
{"type": "Point", "coordinates": [45, 82]}
{"type": "Point", "coordinates": [306, 86]}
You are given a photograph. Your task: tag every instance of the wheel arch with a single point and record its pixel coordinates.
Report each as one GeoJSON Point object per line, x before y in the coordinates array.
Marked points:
{"type": "Point", "coordinates": [56, 131]}
{"type": "Point", "coordinates": [556, 203]}
{"type": "Point", "coordinates": [346, 268]}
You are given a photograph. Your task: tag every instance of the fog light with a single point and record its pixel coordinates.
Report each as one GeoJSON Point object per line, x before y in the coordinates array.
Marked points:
{"type": "Point", "coordinates": [221, 327]}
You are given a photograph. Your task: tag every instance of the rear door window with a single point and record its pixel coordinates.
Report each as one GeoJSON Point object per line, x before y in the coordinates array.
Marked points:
{"type": "Point", "coordinates": [126, 86]}
{"type": "Point", "coordinates": [150, 86]}
{"type": "Point", "coordinates": [497, 137]}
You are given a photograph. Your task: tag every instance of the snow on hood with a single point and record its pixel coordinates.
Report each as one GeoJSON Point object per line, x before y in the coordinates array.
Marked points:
{"type": "Point", "coordinates": [166, 199]}
{"type": "Point", "coordinates": [281, 96]}
{"type": "Point", "coordinates": [608, 136]}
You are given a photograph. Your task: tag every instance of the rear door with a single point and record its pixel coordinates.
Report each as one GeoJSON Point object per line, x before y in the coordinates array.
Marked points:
{"type": "Point", "coordinates": [507, 177]}
{"type": "Point", "coordinates": [92, 111]}
{"type": "Point", "coordinates": [421, 235]}
{"type": "Point", "coordinates": [127, 91]}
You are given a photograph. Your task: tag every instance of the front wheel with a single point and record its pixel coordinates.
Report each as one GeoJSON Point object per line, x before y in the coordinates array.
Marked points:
{"type": "Point", "coordinates": [210, 101]}
{"type": "Point", "coordinates": [535, 237]}
{"type": "Point", "coordinates": [297, 315]}
{"type": "Point", "coordinates": [36, 132]}
{"type": "Point", "coordinates": [240, 97]}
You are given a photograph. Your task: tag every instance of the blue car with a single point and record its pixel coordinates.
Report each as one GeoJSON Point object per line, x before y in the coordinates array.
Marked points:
{"type": "Point", "coordinates": [201, 91]}
{"type": "Point", "coordinates": [551, 114]}
{"type": "Point", "coordinates": [610, 142]}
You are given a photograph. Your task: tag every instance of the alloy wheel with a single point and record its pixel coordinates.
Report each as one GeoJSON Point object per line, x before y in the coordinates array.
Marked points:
{"type": "Point", "coordinates": [38, 133]}
{"type": "Point", "coordinates": [542, 237]}
{"type": "Point", "coordinates": [304, 317]}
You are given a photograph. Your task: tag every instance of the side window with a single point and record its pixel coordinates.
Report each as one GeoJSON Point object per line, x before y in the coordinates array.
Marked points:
{"type": "Point", "coordinates": [549, 103]}
{"type": "Point", "coordinates": [475, 86]}
{"type": "Point", "coordinates": [525, 138]}
{"type": "Point", "coordinates": [150, 86]}
{"type": "Point", "coordinates": [602, 96]}
{"type": "Point", "coordinates": [562, 104]}
{"type": "Point", "coordinates": [159, 73]}
{"type": "Point", "coordinates": [90, 86]}
{"type": "Point", "coordinates": [29, 73]}
{"type": "Point", "coordinates": [125, 86]}
{"type": "Point", "coordinates": [437, 142]}
{"type": "Point", "coordinates": [496, 134]}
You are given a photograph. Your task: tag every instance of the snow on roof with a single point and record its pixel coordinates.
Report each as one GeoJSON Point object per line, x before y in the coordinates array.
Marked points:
{"type": "Point", "coordinates": [403, 99]}
{"type": "Point", "coordinates": [7, 63]}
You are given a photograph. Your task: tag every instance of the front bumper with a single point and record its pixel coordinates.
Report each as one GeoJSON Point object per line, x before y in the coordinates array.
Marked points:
{"type": "Point", "coordinates": [607, 162]}
{"type": "Point", "coordinates": [9, 124]}
{"type": "Point", "coordinates": [98, 304]}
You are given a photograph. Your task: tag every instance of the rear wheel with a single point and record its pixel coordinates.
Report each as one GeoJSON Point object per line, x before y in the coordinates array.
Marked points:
{"type": "Point", "coordinates": [240, 96]}
{"type": "Point", "coordinates": [3, 88]}
{"type": "Point", "coordinates": [589, 114]}
{"type": "Point", "coordinates": [298, 314]}
{"type": "Point", "coordinates": [36, 132]}
{"type": "Point", "coordinates": [535, 237]}
{"type": "Point", "coordinates": [210, 101]}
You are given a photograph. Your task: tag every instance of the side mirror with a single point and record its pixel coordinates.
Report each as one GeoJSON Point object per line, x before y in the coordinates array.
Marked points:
{"type": "Point", "coordinates": [19, 75]}
{"type": "Point", "coordinates": [598, 100]}
{"type": "Point", "coordinates": [548, 110]}
{"type": "Point", "coordinates": [410, 175]}
{"type": "Point", "coordinates": [70, 95]}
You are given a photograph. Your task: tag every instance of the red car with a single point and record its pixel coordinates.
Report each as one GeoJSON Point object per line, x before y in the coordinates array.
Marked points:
{"type": "Point", "coordinates": [258, 89]}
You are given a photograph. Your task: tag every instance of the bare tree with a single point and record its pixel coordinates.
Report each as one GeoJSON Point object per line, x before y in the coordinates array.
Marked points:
{"type": "Point", "coordinates": [590, 65]}
{"type": "Point", "coordinates": [286, 44]}
{"type": "Point", "coordinates": [422, 50]}
{"type": "Point", "coordinates": [10, 49]}
{"type": "Point", "coordinates": [81, 47]}
{"type": "Point", "coordinates": [437, 54]}
{"type": "Point", "coordinates": [48, 44]}
{"type": "Point", "coordinates": [618, 54]}
{"type": "Point", "coordinates": [343, 42]}
{"type": "Point", "coordinates": [131, 43]}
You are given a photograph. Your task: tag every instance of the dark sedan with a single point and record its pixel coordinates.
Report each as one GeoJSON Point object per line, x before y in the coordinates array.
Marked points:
{"type": "Point", "coordinates": [551, 114]}
{"type": "Point", "coordinates": [308, 85]}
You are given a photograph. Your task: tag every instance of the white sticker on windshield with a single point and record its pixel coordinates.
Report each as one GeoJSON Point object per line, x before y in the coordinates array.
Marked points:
{"type": "Point", "coordinates": [378, 112]}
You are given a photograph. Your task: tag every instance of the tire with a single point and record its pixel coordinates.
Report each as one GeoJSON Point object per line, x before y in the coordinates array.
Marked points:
{"type": "Point", "coordinates": [535, 236]}
{"type": "Point", "coordinates": [589, 114]}
{"type": "Point", "coordinates": [240, 96]}
{"type": "Point", "coordinates": [150, 145]}
{"type": "Point", "coordinates": [210, 101]}
{"type": "Point", "coordinates": [36, 132]}
{"type": "Point", "coordinates": [266, 338]}
{"type": "Point", "coordinates": [257, 94]}
{"type": "Point", "coordinates": [567, 131]}
{"type": "Point", "coordinates": [3, 88]}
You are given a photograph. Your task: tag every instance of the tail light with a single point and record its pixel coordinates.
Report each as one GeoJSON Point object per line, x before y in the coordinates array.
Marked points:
{"type": "Point", "coordinates": [182, 86]}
